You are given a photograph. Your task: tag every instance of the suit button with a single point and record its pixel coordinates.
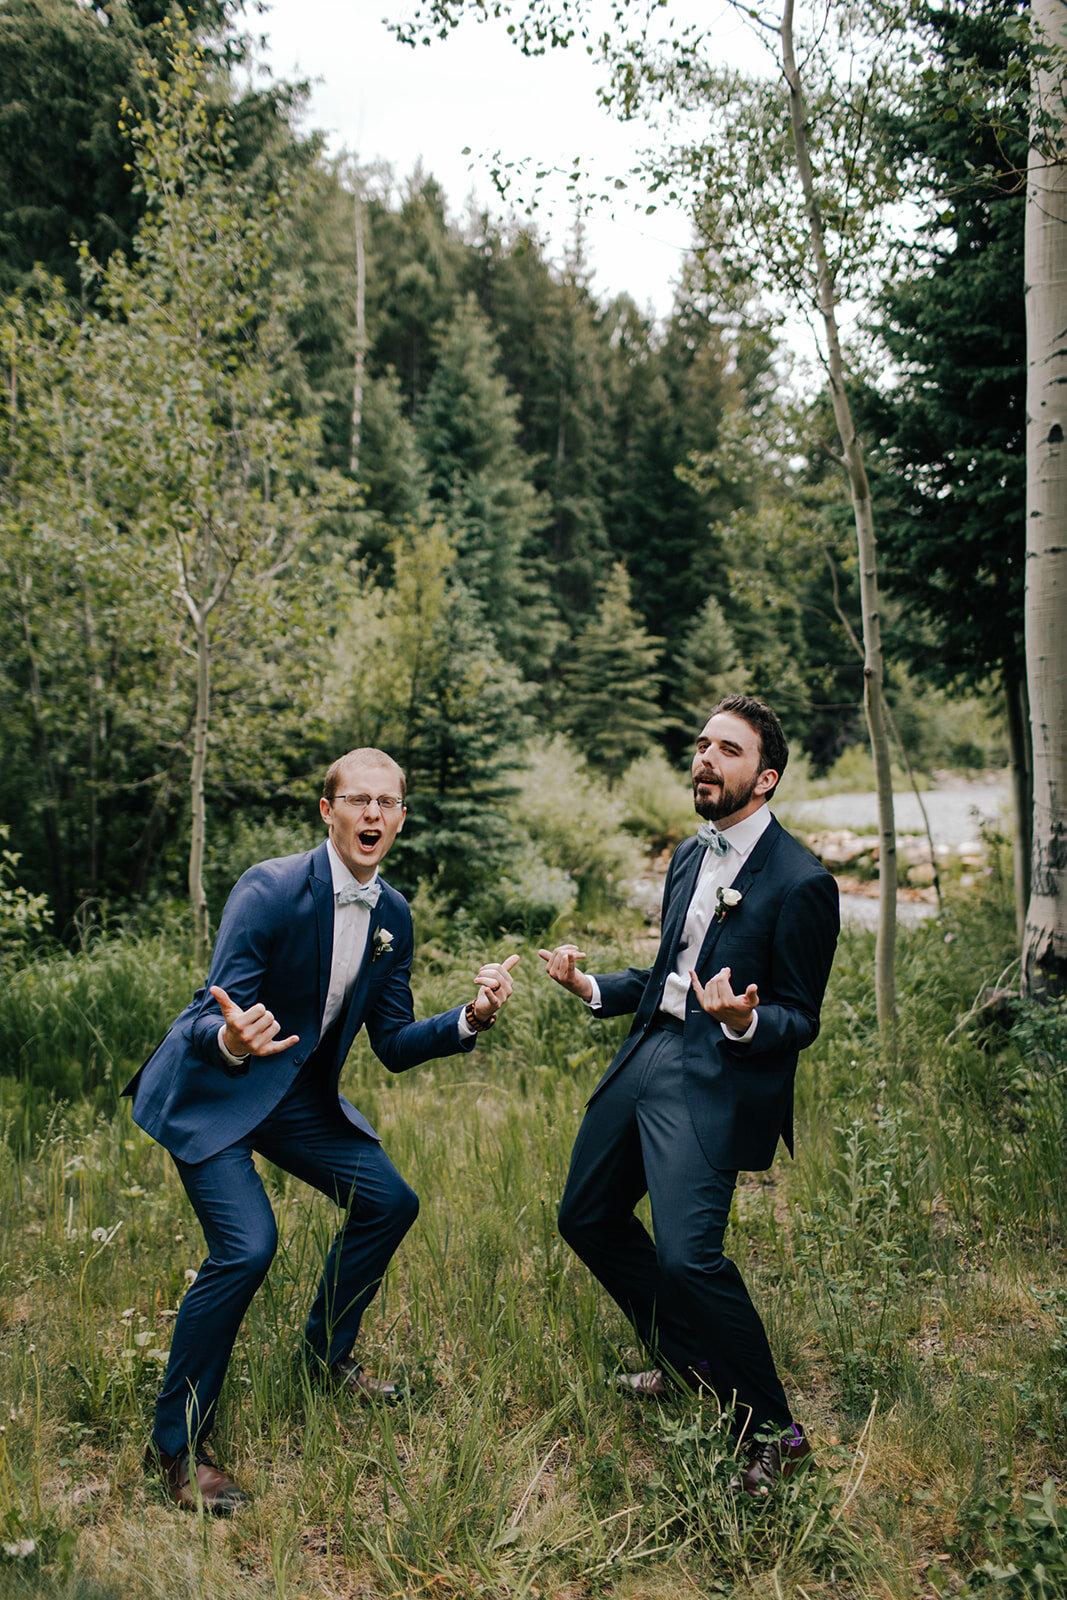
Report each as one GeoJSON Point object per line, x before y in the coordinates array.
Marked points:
{"type": "Point", "coordinates": [298, 1061]}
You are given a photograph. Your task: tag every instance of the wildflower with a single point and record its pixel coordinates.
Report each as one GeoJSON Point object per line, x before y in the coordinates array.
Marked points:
{"type": "Point", "coordinates": [19, 1549]}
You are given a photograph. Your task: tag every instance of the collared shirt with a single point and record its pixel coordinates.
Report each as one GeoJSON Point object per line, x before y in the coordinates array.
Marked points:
{"type": "Point", "coordinates": [351, 925]}
{"type": "Point", "coordinates": [715, 873]}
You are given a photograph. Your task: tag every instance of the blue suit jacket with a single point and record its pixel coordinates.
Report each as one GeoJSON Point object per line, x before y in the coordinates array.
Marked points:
{"type": "Point", "coordinates": [781, 937]}
{"type": "Point", "coordinates": [274, 944]}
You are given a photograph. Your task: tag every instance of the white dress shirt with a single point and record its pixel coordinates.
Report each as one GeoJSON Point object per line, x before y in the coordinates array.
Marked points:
{"type": "Point", "coordinates": [716, 872]}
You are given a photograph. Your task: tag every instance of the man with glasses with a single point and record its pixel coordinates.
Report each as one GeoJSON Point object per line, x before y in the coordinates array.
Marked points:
{"type": "Point", "coordinates": [310, 948]}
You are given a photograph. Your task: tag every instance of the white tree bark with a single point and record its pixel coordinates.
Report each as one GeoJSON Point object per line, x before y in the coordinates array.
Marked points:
{"type": "Point", "coordinates": [361, 330]}
{"type": "Point", "coordinates": [1044, 950]}
{"type": "Point", "coordinates": [885, 952]}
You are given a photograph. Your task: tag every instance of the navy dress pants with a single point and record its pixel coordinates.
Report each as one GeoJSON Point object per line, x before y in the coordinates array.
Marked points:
{"type": "Point", "coordinates": [686, 1300]}
{"type": "Point", "coordinates": [314, 1141]}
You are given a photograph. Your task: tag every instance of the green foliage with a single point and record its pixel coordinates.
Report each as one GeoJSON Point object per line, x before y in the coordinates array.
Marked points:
{"type": "Point", "coordinates": [611, 691]}
{"type": "Point", "coordinates": [576, 822]}
{"type": "Point", "coordinates": [480, 481]}
{"type": "Point", "coordinates": [1025, 1549]}
{"type": "Point", "coordinates": [22, 915]}
{"type": "Point", "coordinates": [950, 483]}
{"type": "Point", "coordinates": [72, 1024]}
{"type": "Point", "coordinates": [657, 799]}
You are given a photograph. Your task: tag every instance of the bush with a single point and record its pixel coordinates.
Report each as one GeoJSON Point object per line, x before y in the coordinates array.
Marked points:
{"type": "Point", "coordinates": [21, 914]}
{"type": "Point", "coordinates": [657, 800]}
{"type": "Point", "coordinates": [576, 822]}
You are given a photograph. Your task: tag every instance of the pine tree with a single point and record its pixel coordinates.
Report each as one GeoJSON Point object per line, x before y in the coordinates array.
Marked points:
{"type": "Point", "coordinates": [480, 480]}
{"type": "Point", "coordinates": [611, 693]}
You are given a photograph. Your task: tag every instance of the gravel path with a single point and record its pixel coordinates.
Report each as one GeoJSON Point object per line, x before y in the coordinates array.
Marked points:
{"type": "Point", "coordinates": [956, 808]}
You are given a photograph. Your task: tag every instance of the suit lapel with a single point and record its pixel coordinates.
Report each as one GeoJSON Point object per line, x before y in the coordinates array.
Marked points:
{"type": "Point", "coordinates": [679, 906]}
{"type": "Point", "coordinates": [670, 937]}
{"type": "Point", "coordinates": [744, 881]}
{"type": "Point", "coordinates": [321, 880]}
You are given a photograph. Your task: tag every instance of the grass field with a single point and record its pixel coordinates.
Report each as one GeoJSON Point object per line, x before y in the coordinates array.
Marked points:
{"type": "Point", "coordinates": [910, 1265]}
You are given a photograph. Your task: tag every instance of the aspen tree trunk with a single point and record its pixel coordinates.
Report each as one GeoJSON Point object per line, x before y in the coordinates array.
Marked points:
{"type": "Point", "coordinates": [197, 806]}
{"type": "Point", "coordinates": [361, 331]}
{"type": "Point", "coordinates": [1022, 793]}
{"type": "Point", "coordinates": [1044, 946]}
{"type": "Point", "coordinates": [885, 950]}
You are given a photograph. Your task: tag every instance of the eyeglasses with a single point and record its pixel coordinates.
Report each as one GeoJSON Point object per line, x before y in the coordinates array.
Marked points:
{"type": "Point", "coordinates": [360, 802]}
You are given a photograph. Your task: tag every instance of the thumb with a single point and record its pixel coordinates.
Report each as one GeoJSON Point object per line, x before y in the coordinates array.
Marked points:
{"type": "Point", "coordinates": [226, 1005]}
{"type": "Point", "coordinates": [752, 995]}
{"type": "Point", "coordinates": [698, 987]}
{"type": "Point", "coordinates": [512, 961]}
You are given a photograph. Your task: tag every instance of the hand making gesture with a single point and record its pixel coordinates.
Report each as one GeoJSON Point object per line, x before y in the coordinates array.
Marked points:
{"type": "Point", "coordinates": [494, 986]}
{"type": "Point", "coordinates": [717, 998]}
{"type": "Point", "coordinates": [252, 1032]}
{"type": "Point", "coordinates": [560, 964]}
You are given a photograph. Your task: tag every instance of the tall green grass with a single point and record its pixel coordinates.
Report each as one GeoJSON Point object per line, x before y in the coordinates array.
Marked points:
{"type": "Point", "coordinates": [910, 1266]}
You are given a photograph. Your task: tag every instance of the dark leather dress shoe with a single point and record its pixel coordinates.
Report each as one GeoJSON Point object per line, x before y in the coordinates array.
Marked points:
{"type": "Point", "coordinates": [212, 1488]}
{"type": "Point", "coordinates": [348, 1375]}
{"type": "Point", "coordinates": [773, 1462]}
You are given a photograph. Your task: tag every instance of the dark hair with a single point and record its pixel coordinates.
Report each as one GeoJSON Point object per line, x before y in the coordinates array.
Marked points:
{"type": "Point", "coordinates": [773, 750]}
{"type": "Point", "coordinates": [368, 754]}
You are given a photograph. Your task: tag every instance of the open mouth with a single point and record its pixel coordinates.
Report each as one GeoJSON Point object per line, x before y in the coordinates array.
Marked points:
{"type": "Point", "coordinates": [369, 837]}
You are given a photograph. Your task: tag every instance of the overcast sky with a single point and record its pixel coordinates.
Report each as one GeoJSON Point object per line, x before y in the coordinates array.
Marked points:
{"type": "Point", "coordinates": [381, 100]}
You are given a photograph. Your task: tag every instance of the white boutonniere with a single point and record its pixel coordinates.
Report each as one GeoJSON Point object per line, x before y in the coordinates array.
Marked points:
{"type": "Point", "coordinates": [725, 900]}
{"type": "Point", "coordinates": [383, 943]}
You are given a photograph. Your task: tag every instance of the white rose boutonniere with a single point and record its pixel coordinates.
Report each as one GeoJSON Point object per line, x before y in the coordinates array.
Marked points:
{"type": "Point", "coordinates": [726, 900]}
{"type": "Point", "coordinates": [383, 943]}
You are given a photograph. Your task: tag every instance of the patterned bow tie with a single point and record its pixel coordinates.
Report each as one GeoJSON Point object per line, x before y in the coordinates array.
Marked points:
{"type": "Point", "coordinates": [712, 839]}
{"type": "Point", "coordinates": [359, 894]}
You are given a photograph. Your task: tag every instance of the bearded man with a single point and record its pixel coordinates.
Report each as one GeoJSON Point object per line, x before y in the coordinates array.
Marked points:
{"type": "Point", "coordinates": [702, 1088]}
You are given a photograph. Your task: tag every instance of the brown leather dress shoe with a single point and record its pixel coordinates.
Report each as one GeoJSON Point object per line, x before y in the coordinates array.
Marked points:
{"type": "Point", "coordinates": [212, 1488]}
{"type": "Point", "coordinates": [348, 1375]}
{"type": "Point", "coordinates": [773, 1462]}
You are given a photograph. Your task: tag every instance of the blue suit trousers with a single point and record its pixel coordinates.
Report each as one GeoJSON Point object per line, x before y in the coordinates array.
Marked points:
{"type": "Point", "coordinates": [306, 1136]}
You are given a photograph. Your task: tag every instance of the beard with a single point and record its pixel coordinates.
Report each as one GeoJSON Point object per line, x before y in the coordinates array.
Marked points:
{"type": "Point", "coordinates": [713, 808]}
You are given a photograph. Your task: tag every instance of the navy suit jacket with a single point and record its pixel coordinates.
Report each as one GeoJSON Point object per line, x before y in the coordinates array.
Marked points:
{"type": "Point", "coordinates": [274, 945]}
{"type": "Point", "coordinates": [781, 937]}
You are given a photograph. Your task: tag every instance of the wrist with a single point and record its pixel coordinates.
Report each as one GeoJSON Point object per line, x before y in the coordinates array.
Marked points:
{"type": "Point", "coordinates": [476, 1023]}
{"type": "Point", "coordinates": [236, 1047]}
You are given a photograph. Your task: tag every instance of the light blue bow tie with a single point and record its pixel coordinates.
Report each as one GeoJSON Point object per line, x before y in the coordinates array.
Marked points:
{"type": "Point", "coordinates": [712, 839]}
{"type": "Point", "coordinates": [359, 894]}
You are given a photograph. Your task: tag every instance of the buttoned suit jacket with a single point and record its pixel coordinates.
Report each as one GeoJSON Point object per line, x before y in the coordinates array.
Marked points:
{"type": "Point", "coordinates": [781, 936]}
{"type": "Point", "coordinates": [274, 945]}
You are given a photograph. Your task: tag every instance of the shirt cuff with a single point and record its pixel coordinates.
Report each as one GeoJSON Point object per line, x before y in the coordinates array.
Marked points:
{"type": "Point", "coordinates": [465, 1029]}
{"type": "Point", "coordinates": [741, 1038]}
{"type": "Point", "coordinates": [594, 1002]}
{"type": "Point", "coordinates": [228, 1055]}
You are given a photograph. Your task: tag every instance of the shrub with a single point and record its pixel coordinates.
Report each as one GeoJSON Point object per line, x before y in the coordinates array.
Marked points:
{"type": "Point", "coordinates": [657, 800]}
{"type": "Point", "coordinates": [576, 822]}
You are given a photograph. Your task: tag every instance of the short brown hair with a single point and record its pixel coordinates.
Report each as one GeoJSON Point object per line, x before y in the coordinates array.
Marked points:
{"type": "Point", "coordinates": [773, 750]}
{"type": "Point", "coordinates": [368, 754]}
